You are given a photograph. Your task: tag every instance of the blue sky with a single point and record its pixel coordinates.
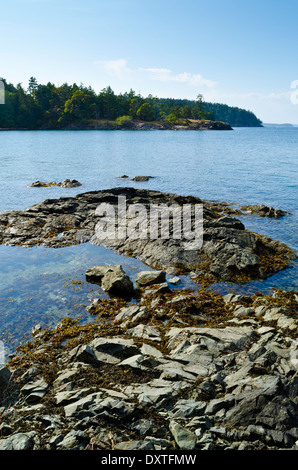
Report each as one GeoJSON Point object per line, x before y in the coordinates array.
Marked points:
{"type": "Point", "coordinates": [239, 52]}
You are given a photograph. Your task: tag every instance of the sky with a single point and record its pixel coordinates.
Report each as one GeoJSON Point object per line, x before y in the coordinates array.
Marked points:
{"type": "Point", "coordinates": [238, 52]}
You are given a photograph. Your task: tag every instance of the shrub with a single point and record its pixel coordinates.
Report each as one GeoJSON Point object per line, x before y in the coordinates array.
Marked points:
{"type": "Point", "coordinates": [124, 121]}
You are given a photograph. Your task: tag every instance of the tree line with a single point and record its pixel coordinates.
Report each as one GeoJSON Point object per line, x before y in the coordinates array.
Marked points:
{"type": "Point", "coordinates": [41, 106]}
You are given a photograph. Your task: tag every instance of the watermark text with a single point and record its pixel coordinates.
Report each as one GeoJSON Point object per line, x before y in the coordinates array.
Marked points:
{"type": "Point", "coordinates": [294, 94]}
{"type": "Point", "coordinates": [2, 92]}
{"type": "Point", "coordinates": [156, 221]}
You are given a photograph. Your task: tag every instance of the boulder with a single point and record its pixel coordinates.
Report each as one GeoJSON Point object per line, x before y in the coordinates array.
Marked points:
{"type": "Point", "coordinates": [116, 347]}
{"type": "Point", "coordinates": [34, 391]}
{"type": "Point", "coordinates": [38, 184]}
{"type": "Point", "coordinates": [70, 184]}
{"type": "Point", "coordinates": [185, 439]}
{"type": "Point", "coordinates": [17, 441]}
{"type": "Point", "coordinates": [96, 273]}
{"type": "Point", "coordinates": [142, 178]}
{"type": "Point", "coordinates": [113, 279]}
{"type": "Point", "coordinates": [117, 282]}
{"type": "Point", "coordinates": [148, 278]}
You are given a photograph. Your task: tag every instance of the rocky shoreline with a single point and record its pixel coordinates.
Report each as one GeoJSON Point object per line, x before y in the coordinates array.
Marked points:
{"type": "Point", "coordinates": [159, 369]}
{"type": "Point", "coordinates": [105, 125]}
{"type": "Point", "coordinates": [229, 251]}
{"type": "Point", "coordinates": [174, 371]}
{"type": "Point", "coordinates": [189, 125]}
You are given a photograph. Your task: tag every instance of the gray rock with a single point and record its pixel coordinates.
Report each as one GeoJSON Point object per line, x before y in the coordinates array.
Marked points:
{"type": "Point", "coordinates": [85, 403]}
{"type": "Point", "coordinates": [139, 362]}
{"type": "Point", "coordinates": [5, 376]}
{"type": "Point", "coordinates": [185, 439]}
{"type": "Point", "coordinates": [188, 408]}
{"type": "Point", "coordinates": [218, 404]}
{"type": "Point", "coordinates": [158, 443]}
{"type": "Point", "coordinates": [64, 378]}
{"type": "Point", "coordinates": [119, 348]}
{"type": "Point", "coordinates": [148, 278]}
{"type": "Point", "coordinates": [70, 184]}
{"type": "Point", "coordinates": [243, 311]}
{"type": "Point", "coordinates": [157, 289]}
{"type": "Point", "coordinates": [131, 314]}
{"type": "Point", "coordinates": [146, 332]}
{"type": "Point", "coordinates": [135, 445]}
{"type": "Point", "coordinates": [113, 279]}
{"type": "Point", "coordinates": [34, 391]}
{"type": "Point", "coordinates": [218, 431]}
{"type": "Point", "coordinates": [175, 280]}
{"type": "Point", "coordinates": [148, 350]}
{"type": "Point", "coordinates": [74, 440]}
{"type": "Point", "coordinates": [64, 398]}
{"type": "Point", "coordinates": [17, 441]}
{"type": "Point", "coordinates": [141, 178]}
{"type": "Point", "coordinates": [96, 273]}
{"type": "Point", "coordinates": [116, 282]}
{"type": "Point", "coordinates": [82, 353]}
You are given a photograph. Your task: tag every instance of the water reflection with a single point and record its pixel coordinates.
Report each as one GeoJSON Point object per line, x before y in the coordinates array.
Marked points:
{"type": "Point", "coordinates": [41, 286]}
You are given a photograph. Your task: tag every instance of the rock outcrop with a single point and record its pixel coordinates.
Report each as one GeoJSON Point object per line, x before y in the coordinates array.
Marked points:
{"type": "Point", "coordinates": [229, 252]}
{"type": "Point", "coordinates": [265, 211]}
{"type": "Point", "coordinates": [64, 184]}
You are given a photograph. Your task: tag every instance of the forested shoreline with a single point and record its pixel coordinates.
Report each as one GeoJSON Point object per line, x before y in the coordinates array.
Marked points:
{"type": "Point", "coordinates": [49, 106]}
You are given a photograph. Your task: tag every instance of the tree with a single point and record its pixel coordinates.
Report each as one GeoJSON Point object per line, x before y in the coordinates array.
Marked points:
{"type": "Point", "coordinates": [80, 106]}
{"type": "Point", "coordinates": [145, 112]}
{"type": "Point", "coordinates": [175, 115]}
{"type": "Point", "coordinates": [135, 103]}
{"type": "Point", "coordinates": [32, 86]}
{"type": "Point", "coordinates": [200, 107]}
{"type": "Point", "coordinates": [107, 102]}
{"type": "Point", "coordinates": [52, 107]}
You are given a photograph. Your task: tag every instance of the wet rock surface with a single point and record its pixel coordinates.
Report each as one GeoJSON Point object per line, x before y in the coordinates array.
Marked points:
{"type": "Point", "coordinates": [64, 184]}
{"type": "Point", "coordinates": [229, 252]}
{"type": "Point", "coordinates": [265, 211]}
{"type": "Point", "coordinates": [188, 373]}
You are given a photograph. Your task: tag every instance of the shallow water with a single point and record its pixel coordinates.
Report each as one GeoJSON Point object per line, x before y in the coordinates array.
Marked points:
{"type": "Point", "coordinates": [244, 166]}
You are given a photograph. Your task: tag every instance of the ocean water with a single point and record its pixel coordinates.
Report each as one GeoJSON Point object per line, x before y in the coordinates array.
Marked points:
{"type": "Point", "coordinates": [243, 166]}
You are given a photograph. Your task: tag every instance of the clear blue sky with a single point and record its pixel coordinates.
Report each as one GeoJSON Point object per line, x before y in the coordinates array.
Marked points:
{"type": "Point", "coordinates": [239, 52]}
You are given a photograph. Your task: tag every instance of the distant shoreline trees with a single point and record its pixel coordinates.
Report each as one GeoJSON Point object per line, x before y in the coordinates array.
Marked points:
{"type": "Point", "coordinates": [56, 107]}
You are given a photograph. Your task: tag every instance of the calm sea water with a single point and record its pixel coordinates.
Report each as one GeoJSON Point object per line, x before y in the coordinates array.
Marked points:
{"type": "Point", "coordinates": [243, 166]}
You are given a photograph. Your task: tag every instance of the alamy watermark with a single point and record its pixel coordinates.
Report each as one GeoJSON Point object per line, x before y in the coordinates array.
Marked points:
{"type": "Point", "coordinates": [294, 94]}
{"type": "Point", "coordinates": [2, 353]}
{"type": "Point", "coordinates": [156, 221]}
{"type": "Point", "coordinates": [2, 92]}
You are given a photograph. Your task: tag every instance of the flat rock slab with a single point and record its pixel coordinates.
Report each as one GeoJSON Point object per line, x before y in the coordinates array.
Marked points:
{"type": "Point", "coordinates": [229, 252]}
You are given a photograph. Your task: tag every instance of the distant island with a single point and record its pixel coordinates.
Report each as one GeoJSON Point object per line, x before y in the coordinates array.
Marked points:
{"type": "Point", "coordinates": [286, 125]}
{"type": "Point", "coordinates": [51, 107]}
